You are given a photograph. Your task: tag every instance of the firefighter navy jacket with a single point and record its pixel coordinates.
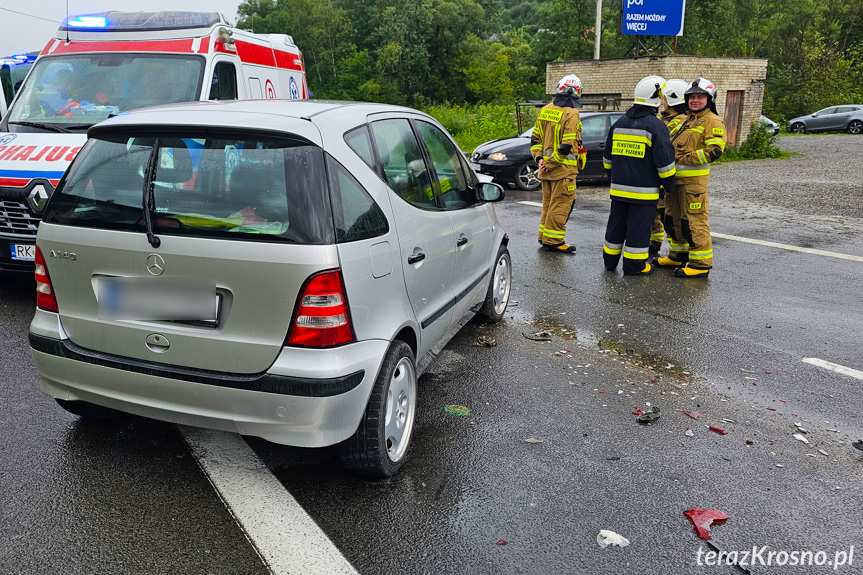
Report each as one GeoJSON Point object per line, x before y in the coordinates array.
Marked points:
{"type": "Point", "coordinates": [639, 156]}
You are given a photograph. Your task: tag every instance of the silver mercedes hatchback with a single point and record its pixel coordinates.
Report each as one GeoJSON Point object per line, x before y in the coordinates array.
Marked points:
{"type": "Point", "coordinates": [280, 269]}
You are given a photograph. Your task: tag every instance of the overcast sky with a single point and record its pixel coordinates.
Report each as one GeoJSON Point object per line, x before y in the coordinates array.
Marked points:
{"type": "Point", "coordinates": [29, 24]}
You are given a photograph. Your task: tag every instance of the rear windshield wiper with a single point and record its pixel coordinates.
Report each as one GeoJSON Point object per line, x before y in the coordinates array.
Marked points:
{"type": "Point", "coordinates": [149, 197]}
{"type": "Point", "coordinates": [50, 127]}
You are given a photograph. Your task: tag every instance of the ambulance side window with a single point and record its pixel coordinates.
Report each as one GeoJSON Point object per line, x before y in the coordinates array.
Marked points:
{"type": "Point", "coordinates": [224, 83]}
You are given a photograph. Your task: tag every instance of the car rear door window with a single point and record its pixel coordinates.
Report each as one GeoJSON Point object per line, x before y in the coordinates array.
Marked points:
{"type": "Point", "coordinates": [357, 215]}
{"type": "Point", "coordinates": [448, 168]}
{"type": "Point", "coordinates": [403, 166]}
{"type": "Point", "coordinates": [593, 127]}
{"type": "Point", "coordinates": [230, 186]}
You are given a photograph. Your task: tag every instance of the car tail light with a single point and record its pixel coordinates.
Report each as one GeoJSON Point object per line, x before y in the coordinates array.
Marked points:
{"type": "Point", "coordinates": [44, 292]}
{"type": "Point", "coordinates": [322, 318]}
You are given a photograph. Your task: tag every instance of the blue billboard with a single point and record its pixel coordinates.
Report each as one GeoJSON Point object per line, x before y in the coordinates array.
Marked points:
{"type": "Point", "coordinates": [652, 17]}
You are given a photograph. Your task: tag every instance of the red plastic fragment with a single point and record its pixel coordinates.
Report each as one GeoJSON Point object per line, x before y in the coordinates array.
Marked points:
{"type": "Point", "coordinates": [783, 401]}
{"type": "Point", "coordinates": [702, 519]}
{"type": "Point", "coordinates": [637, 411]}
{"type": "Point", "coordinates": [718, 430]}
{"type": "Point", "coordinates": [771, 409]}
{"type": "Point", "coordinates": [502, 542]}
{"type": "Point", "coordinates": [602, 391]}
{"type": "Point", "coordinates": [654, 381]}
{"type": "Point", "coordinates": [768, 372]}
{"type": "Point", "coordinates": [692, 414]}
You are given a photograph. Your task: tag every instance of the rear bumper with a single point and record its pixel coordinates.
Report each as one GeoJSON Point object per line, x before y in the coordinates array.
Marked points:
{"type": "Point", "coordinates": [283, 405]}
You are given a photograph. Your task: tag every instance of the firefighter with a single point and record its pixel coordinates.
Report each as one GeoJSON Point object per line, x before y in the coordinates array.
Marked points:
{"type": "Point", "coordinates": [672, 112]}
{"type": "Point", "coordinates": [698, 141]}
{"type": "Point", "coordinates": [556, 146]}
{"type": "Point", "coordinates": [639, 158]}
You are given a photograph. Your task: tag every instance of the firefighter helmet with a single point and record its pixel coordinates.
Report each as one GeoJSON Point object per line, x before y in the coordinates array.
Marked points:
{"type": "Point", "coordinates": [569, 84]}
{"type": "Point", "coordinates": [674, 91]}
{"type": "Point", "coordinates": [702, 86]}
{"type": "Point", "coordinates": [648, 91]}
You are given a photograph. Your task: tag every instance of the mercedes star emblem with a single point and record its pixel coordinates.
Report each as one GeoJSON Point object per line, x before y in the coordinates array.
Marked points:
{"type": "Point", "coordinates": [155, 264]}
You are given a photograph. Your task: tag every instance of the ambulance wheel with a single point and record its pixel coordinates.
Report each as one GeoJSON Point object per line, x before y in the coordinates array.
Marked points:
{"type": "Point", "coordinates": [526, 177]}
{"type": "Point", "coordinates": [497, 296]}
{"type": "Point", "coordinates": [798, 128]}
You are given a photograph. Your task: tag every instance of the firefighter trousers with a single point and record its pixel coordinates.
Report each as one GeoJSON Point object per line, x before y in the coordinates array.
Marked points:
{"type": "Point", "coordinates": [658, 232]}
{"type": "Point", "coordinates": [628, 232]}
{"type": "Point", "coordinates": [678, 245]}
{"type": "Point", "coordinates": [558, 199]}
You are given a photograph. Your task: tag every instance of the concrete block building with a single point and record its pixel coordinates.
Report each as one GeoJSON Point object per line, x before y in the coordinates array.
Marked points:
{"type": "Point", "coordinates": [608, 84]}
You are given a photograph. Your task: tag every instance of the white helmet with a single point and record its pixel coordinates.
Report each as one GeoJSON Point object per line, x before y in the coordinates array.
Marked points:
{"type": "Point", "coordinates": [648, 91]}
{"type": "Point", "coordinates": [702, 86]}
{"type": "Point", "coordinates": [674, 91]}
{"type": "Point", "coordinates": [569, 84]}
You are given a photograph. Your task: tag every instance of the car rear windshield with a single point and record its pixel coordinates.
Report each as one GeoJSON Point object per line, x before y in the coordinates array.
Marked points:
{"type": "Point", "coordinates": [220, 185]}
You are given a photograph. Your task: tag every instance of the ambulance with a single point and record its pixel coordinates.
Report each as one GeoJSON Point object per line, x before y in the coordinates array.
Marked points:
{"type": "Point", "coordinates": [13, 70]}
{"type": "Point", "coordinates": [99, 65]}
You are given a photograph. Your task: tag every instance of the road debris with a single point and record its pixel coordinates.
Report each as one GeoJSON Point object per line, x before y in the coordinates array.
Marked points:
{"type": "Point", "coordinates": [538, 336]}
{"type": "Point", "coordinates": [502, 542]}
{"type": "Point", "coordinates": [637, 411]}
{"type": "Point", "coordinates": [822, 452]}
{"type": "Point", "coordinates": [649, 416]}
{"type": "Point", "coordinates": [800, 427]}
{"type": "Point", "coordinates": [485, 341]}
{"type": "Point", "coordinates": [702, 519]}
{"type": "Point", "coordinates": [693, 414]}
{"type": "Point", "coordinates": [718, 430]}
{"type": "Point", "coordinates": [533, 440]}
{"type": "Point", "coordinates": [800, 437]}
{"type": "Point", "coordinates": [688, 433]}
{"type": "Point", "coordinates": [606, 538]}
{"type": "Point", "coordinates": [456, 410]}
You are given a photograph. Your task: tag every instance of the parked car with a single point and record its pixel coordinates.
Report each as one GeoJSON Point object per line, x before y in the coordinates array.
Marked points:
{"type": "Point", "coordinates": [509, 161]}
{"type": "Point", "coordinates": [832, 119]}
{"type": "Point", "coordinates": [273, 268]}
{"type": "Point", "coordinates": [771, 125]}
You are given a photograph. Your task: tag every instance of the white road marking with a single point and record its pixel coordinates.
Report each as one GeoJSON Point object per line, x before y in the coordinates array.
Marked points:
{"type": "Point", "coordinates": [834, 367]}
{"type": "Point", "coordinates": [762, 243]}
{"type": "Point", "coordinates": [788, 247]}
{"type": "Point", "coordinates": [286, 538]}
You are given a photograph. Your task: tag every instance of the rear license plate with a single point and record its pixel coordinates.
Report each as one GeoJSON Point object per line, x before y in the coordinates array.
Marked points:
{"type": "Point", "coordinates": [475, 167]}
{"type": "Point", "coordinates": [26, 253]}
{"type": "Point", "coordinates": [157, 299]}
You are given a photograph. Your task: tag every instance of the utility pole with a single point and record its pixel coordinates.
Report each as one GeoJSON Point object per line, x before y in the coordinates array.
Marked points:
{"type": "Point", "coordinates": [597, 34]}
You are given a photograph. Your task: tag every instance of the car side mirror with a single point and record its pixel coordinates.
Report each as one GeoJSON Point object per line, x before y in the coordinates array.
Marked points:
{"type": "Point", "coordinates": [489, 192]}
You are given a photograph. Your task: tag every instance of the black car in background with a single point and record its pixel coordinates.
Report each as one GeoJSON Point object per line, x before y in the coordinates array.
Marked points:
{"type": "Point", "coordinates": [508, 160]}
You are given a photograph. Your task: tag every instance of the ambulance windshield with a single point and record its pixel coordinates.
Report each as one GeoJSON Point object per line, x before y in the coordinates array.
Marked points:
{"type": "Point", "coordinates": [68, 92]}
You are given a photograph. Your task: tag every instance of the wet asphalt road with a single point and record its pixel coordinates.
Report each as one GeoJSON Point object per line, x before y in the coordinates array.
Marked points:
{"type": "Point", "coordinates": [127, 497]}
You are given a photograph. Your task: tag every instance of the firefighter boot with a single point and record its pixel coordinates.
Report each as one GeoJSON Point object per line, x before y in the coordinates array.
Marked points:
{"type": "Point", "coordinates": [689, 272]}
{"type": "Point", "coordinates": [560, 248]}
{"type": "Point", "coordinates": [667, 262]}
{"type": "Point", "coordinates": [648, 269]}
{"type": "Point", "coordinates": [655, 246]}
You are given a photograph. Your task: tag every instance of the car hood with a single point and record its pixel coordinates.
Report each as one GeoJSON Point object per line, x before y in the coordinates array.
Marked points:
{"type": "Point", "coordinates": [501, 145]}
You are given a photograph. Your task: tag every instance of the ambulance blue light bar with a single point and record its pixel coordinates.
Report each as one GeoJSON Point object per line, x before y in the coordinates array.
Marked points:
{"type": "Point", "coordinates": [87, 22]}
{"type": "Point", "coordinates": [113, 21]}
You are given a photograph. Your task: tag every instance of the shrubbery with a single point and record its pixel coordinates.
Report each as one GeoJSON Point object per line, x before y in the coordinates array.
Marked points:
{"type": "Point", "coordinates": [760, 144]}
{"type": "Point", "coordinates": [472, 125]}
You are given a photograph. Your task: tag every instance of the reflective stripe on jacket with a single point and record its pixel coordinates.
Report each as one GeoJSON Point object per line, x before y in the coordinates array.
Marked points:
{"type": "Point", "coordinates": [698, 141]}
{"type": "Point", "coordinates": [639, 155]}
{"type": "Point", "coordinates": [556, 139]}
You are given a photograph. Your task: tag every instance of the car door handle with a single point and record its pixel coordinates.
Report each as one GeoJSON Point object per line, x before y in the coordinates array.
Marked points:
{"type": "Point", "coordinates": [461, 241]}
{"type": "Point", "coordinates": [418, 257]}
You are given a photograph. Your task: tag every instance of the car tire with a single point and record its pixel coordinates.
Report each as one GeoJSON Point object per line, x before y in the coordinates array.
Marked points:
{"type": "Point", "coordinates": [88, 410]}
{"type": "Point", "coordinates": [526, 177]}
{"type": "Point", "coordinates": [497, 296]}
{"type": "Point", "coordinates": [379, 446]}
{"type": "Point", "coordinates": [855, 127]}
{"type": "Point", "coordinates": [798, 128]}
